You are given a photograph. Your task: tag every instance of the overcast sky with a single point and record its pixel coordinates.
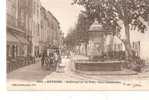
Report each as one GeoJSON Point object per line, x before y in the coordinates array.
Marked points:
{"type": "Point", "coordinates": [66, 13]}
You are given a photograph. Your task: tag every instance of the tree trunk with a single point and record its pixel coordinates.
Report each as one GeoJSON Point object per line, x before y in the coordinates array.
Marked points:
{"type": "Point", "coordinates": [127, 42]}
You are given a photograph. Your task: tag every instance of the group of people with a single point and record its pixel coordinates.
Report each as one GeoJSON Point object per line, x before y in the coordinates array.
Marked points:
{"type": "Point", "coordinates": [51, 59]}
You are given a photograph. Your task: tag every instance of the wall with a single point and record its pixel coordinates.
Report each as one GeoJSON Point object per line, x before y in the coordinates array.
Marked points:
{"type": "Point", "coordinates": [143, 38]}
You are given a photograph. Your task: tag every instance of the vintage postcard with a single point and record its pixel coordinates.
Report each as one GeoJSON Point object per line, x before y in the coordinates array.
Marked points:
{"type": "Point", "coordinates": [77, 44]}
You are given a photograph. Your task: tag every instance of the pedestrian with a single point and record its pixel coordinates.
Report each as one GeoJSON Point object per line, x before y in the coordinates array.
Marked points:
{"type": "Point", "coordinates": [43, 58]}
{"type": "Point", "coordinates": [61, 65]}
{"type": "Point", "coordinates": [58, 61]}
{"type": "Point", "coordinates": [51, 57]}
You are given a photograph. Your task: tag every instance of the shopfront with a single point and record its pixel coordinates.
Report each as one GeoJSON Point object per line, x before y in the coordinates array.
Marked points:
{"type": "Point", "coordinates": [16, 49]}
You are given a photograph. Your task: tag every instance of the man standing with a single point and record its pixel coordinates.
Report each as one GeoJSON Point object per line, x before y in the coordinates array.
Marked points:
{"type": "Point", "coordinates": [43, 58]}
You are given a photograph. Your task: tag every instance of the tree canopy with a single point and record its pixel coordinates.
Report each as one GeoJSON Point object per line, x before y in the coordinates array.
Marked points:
{"type": "Point", "coordinates": [79, 33]}
{"type": "Point", "coordinates": [109, 13]}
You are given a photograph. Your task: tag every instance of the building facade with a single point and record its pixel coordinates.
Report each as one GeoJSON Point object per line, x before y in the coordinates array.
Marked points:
{"type": "Point", "coordinates": [11, 24]}
{"type": "Point", "coordinates": [44, 29]}
{"type": "Point", "coordinates": [54, 29]}
{"type": "Point", "coordinates": [16, 35]}
{"type": "Point", "coordinates": [139, 42]}
{"type": "Point", "coordinates": [50, 30]}
{"type": "Point", "coordinates": [30, 27]}
{"type": "Point", "coordinates": [36, 27]}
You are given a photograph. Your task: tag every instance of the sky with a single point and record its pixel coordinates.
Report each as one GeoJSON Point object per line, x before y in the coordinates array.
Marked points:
{"type": "Point", "coordinates": [66, 13]}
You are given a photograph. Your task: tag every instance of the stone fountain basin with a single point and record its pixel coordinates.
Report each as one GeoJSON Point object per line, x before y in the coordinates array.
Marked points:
{"type": "Point", "coordinates": [86, 65]}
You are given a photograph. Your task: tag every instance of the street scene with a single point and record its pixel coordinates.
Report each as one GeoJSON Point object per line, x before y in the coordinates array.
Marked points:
{"type": "Point", "coordinates": [77, 44]}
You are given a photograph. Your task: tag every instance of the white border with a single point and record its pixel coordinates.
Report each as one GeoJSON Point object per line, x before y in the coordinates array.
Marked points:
{"type": "Point", "coordinates": [5, 95]}
{"type": "Point", "coordinates": [2, 45]}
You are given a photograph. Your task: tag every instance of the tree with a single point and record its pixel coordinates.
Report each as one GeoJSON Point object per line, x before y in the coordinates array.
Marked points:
{"type": "Point", "coordinates": [70, 39]}
{"type": "Point", "coordinates": [82, 27]}
{"type": "Point", "coordinates": [132, 14]}
{"type": "Point", "coordinates": [79, 33]}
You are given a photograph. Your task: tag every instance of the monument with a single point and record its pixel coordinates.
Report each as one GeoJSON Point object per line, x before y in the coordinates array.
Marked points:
{"type": "Point", "coordinates": [96, 51]}
{"type": "Point", "coordinates": [96, 40]}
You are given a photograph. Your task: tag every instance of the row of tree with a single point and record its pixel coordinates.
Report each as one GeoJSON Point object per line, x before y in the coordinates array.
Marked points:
{"type": "Point", "coordinates": [79, 33]}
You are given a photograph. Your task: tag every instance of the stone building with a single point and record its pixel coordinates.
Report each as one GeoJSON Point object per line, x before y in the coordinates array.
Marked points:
{"type": "Point", "coordinates": [50, 30]}
{"type": "Point", "coordinates": [17, 43]}
{"type": "Point", "coordinates": [30, 27]}
{"type": "Point", "coordinates": [16, 35]}
{"type": "Point", "coordinates": [36, 5]}
{"type": "Point", "coordinates": [54, 29]}
{"type": "Point", "coordinates": [44, 29]}
{"type": "Point", "coordinates": [11, 25]}
{"type": "Point", "coordinates": [139, 42]}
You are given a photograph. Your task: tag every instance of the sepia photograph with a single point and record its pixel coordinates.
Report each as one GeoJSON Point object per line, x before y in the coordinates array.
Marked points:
{"type": "Point", "coordinates": [76, 45]}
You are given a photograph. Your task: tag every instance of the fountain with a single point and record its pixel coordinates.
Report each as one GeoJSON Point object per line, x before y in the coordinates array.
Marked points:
{"type": "Point", "coordinates": [96, 51]}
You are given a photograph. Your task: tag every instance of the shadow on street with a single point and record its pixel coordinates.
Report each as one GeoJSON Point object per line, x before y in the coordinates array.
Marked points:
{"type": "Point", "coordinates": [29, 73]}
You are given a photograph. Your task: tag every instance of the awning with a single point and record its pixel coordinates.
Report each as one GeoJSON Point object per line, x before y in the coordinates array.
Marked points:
{"type": "Point", "coordinates": [16, 39]}
{"type": "Point", "coordinates": [11, 38]}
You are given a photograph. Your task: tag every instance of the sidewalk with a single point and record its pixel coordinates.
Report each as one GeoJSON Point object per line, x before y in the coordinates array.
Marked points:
{"type": "Point", "coordinates": [32, 72]}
